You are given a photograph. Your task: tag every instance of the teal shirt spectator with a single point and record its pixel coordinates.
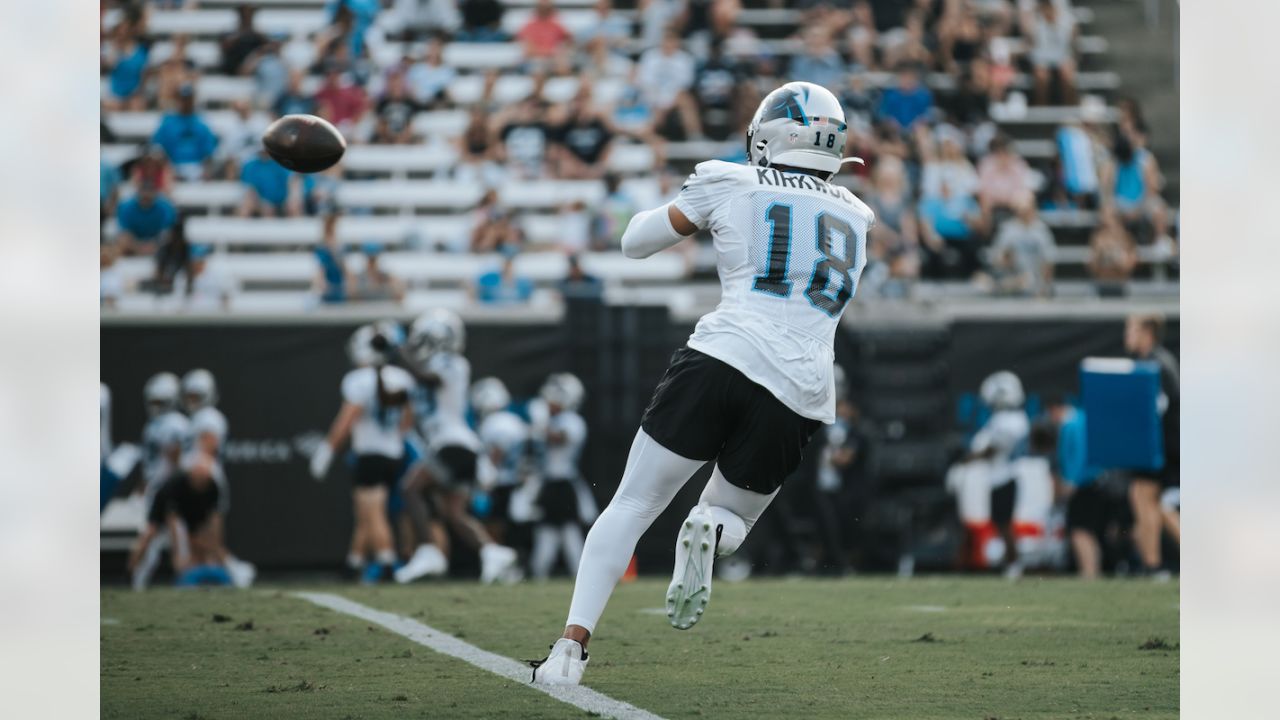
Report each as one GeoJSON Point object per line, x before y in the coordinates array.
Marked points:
{"type": "Point", "coordinates": [185, 138]}
{"type": "Point", "coordinates": [108, 181]}
{"type": "Point", "coordinates": [1073, 454]}
{"type": "Point", "coordinates": [1131, 186]}
{"type": "Point", "coordinates": [126, 76]}
{"type": "Point", "coordinates": [492, 288]}
{"type": "Point", "coordinates": [268, 178]}
{"type": "Point", "coordinates": [146, 223]}
{"type": "Point", "coordinates": [363, 14]}
{"type": "Point", "coordinates": [335, 290]}
{"type": "Point", "coordinates": [906, 106]}
{"type": "Point", "coordinates": [947, 215]}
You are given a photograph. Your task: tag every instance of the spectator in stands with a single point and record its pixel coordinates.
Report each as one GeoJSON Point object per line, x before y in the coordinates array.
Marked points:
{"type": "Point", "coordinates": [861, 36]}
{"type": "Point", "coordinates": [525, 138]}
{"type": "Point", "coordinates": [332, 278]}
{"type": "Point", "coordinates": [1077, 163]}
{"type": "Point", "coordinates": [341, 100]}
{"type": "Point", "coordinates": [1143, 340]}
{"type": "Point", "coordinates": [294, 100]}
{"type": "Point", "coordinates": [612, 215]}
{"type": "Point", "coordinates": [143, 220]}
{"type": "Point", "coordinates": [395, 111]}
{"type": "Point", "coordinates": [960, 39]}
{"type": "Point", "coordinates": [948, 222]}
{"type": "Point", "coordinates": [946, 163]}
{"type": "Point", "coordinates": [578, 284]}
{"type": "Point", "coordinates": [171, 75]}
{"type": "Point", "coordinates": [374, 283]}
{"type": "Point", "coordinates": [573, 227]}
{"type": "Point", "coordinates": [908, 102]}
{"type": "Point", "coordinates": [269, 70]}
{"type": "Point", "coordinates": [503, 286]}
{"type": "Point", "coordinates": [270, 189]}
{"type": "Point", "coordinates": [1023, 251]}
{"type": "Point", "coordinates": [429, 77]}
{"type": "Point", "coordinates": [204, 287]}
{"type": "Point", "coordinates": [1003, 178]}
{"type": "Point", "coordinates": [153, 167]}
{"type": "Point", "coordinates": [186, 138]}
{"type": "Point", "coordinates": [971, 102]}
{"type": "Point", "coordinates": [1133, 185]}
{"type": "Point", "coordinates": [890, 198]}
{"type": "Point", "coordinates": [352, 21]}
{"type": "Point", "coordinates": [411, 19]}
{"type": "Point", "coordinates": [907, 44]}
{"type": "Point", "coordinates": [608, 26]}
{"type": "Point", "coordinates": [494, 229]}
{"type": "Point", "coordinates": [481, 21]}
{"type": "Point", "coordinates": [722, 83]}
{"type": "Point", "coordinates": [477, 151]}
{"type": "Point", "coordinates": [859, 100]}
{"type": "Point", "coordinates": [818, 62]}
{"type": "Point", "coordinates": [171, 257]}
{"type": "Point", "coordinates": [665, 76]}
{"type": "Point", "coordinates": [108, 188]}
{"type": "Point", "coordinates": [543, 36]}
{"type": "Point", "coordinates": [1113, 256]}
{"type": "Point", "coordinates": [1051, 30]}
{"type": "Point", "coordinates": [124, 60]}
{"type": "Point", "coordinates": [240, 139]}
{"type": "Point", "coordinates": [239, 44]}
{"type": "Point", "coordinates": [583, 142]}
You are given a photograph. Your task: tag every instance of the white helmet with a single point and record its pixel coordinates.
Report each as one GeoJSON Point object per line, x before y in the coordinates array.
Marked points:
{"type": "Point", "coordinates": [563, 389]}
{"type": "Point", "coordinates": [800, 125]}
{"type": "Point", "coordinates": [489, 395]}
{"type": "Point", "coordinates": [369, 344]}
{"type": "Point", "coordinates": [161, 393]}
{"type": "Point", "coordinates": [199, 389]}
{"type": "Point", "coordinates": [1002, 391]}
{"type": "Point", "coordinates": [436, 331]}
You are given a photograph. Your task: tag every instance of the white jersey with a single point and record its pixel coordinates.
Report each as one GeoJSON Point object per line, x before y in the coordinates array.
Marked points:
{"type": "Point", "coordinates": [104, 421]}
{"type": "Point", "coordinates": [789, 251]}
{"type": "Point", "coordinates": [560, 461]}
{"type": "Point", "coordinates": [505, 432]}
{"type": "Point", "coordinates": [444, 407]}
{"type": "Point", "coordinates": [1005, 433]}
{"type": "Point", "coordinates": [377, 432]}
{"type": "Point", "coordinates": [160, 437]}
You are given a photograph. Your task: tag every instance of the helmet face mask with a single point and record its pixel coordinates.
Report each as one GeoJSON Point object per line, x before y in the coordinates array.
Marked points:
{"type": "Point", "coordinates": [798, 125]}
{"type": "Point", "coordinates": [563, 392]}
{"type": "Point", "coordinates": [436, 331]}
{"type": "Point", "coordinates": [1002, 391]}
{"type": "Point", "coordinates": [489, 395]}
{"type": "Point", "coordinates": [161, 393]}
{"type": "Point", "coordinates": [199, 390]}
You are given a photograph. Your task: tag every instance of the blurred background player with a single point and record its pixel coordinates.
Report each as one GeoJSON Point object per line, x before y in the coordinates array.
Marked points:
{"type": "Point", "coordinates": [376, 415]}
{"type": "Point", "coordinates": [1142, 340]}
{"type": "Point", "coordinates": [983, 480]}
{"type": "Point", "coordinates": [185, 509]}
{"type": "Point", "coordinates": [449, 472]}
{"type": "Point", "coordinates": [505, 437]}
{"type": "Point", "coordinates": [164, 439]}
{"type": "Point", "coordinates": [564, 501]}
{"type": "Point", "coordinates": [115, 462]}
{"type": "Point", "coordinates": [208, 440]}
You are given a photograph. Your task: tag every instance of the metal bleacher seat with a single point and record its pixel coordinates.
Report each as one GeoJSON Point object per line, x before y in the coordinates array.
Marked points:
{"type": "Point", "coordinates": [389, 230]}
{"type": "Point", "coordinates": [482, 56]}
{"type": "Point", "coordinates": [212, 22]}
{"type": "Point", "coordinates": [441, 123]}
{"type": "Point", "coordinates": [400, 160]}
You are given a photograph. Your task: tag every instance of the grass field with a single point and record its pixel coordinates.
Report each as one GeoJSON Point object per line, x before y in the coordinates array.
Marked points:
{"type": "Point", "coordinates": [858, 648]}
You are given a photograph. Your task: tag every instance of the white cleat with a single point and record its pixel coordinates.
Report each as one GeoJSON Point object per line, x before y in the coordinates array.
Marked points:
{"type": "Point", "coordinates": [690, 588]}
{"type": "Point", "coordinates": [427, 560]}
{"type": "Point", "coordinates": [564, 665]}
{"type": "Point", "coordinates": [496, 562]}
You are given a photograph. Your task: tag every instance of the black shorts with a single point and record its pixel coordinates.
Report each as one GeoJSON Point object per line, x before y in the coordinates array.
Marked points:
{"type": "Point", "coordinates": [1168, 476]}
{"type": "Point", "coordinates": [704, 409]}
{"type": "Point", "coordinates": [377, 471]}
{"type": "Point", "coordinates": [558, 501]}
{"type": "Point", "coordinates": [1002, 501]}
{"type": "Point", "coordinates": [1087, 510]}
{"type": "Point", "coordinates": [456, 464]}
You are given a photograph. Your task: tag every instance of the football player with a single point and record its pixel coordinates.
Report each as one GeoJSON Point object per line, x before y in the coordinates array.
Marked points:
{"type": "Point", "coordinates": [433, 354]}
{"type": "Point", "coordinates": [164, 439]}
{"type": "Point", "coordinates": [208, 439]}
{"type": "Point", "coordinates": [755, 380]}
{"type": "Point", "coordinates": [376, 414]}
{"type": "Point", "coordinates": [564, 502]}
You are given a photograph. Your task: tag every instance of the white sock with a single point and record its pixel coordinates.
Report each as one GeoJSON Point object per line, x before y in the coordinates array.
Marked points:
{"type": "Point", "coordinates": [355, 561]}
{"type": "Point", "coordinates": [386, 557]}
{"type": "Point", "coordinates": [652, 478]}
{"type": "Point", "coordinates": [734, 509]}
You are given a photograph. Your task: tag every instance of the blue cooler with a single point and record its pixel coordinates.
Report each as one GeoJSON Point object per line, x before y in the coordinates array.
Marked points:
{"type": "Point", "coordinates": [1121, 399]}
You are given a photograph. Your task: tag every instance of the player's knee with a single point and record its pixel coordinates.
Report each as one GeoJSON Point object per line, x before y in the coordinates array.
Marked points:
{"type": "Point", "coordinates": [730, 529]}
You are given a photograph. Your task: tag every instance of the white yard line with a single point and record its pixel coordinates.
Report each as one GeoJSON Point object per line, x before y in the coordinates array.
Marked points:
{"type": "Point", "coordinates": [580, 697]}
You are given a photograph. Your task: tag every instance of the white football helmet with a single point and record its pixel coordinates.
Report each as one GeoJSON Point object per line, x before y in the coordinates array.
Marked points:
{"type": "Point", "coordinates": [489, 395]}
{"type": "Point", "coordinates": [800, 125]}
{"type": "Point", "coordinates": [161, 393]}
{"type": "Point", "coordinates": [1002, 391]}
{"type": "Point", "coordinates": [199, 389]}
{"type": "Point", "coordinates": [564, 390]}
{"type": "Point", "coordinates": [370, 345]}
{"type": "Point", "coordinates": [436, 331]}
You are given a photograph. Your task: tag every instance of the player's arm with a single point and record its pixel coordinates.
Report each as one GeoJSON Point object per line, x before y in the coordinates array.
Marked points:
{"type": "Point", "coordinates": [651, 231]}
{"type": "Point", "coordinates": [338, 433]}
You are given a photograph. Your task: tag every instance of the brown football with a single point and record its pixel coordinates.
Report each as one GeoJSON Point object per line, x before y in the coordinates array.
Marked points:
{"type": "Point", "coordinates": [304, 143]}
